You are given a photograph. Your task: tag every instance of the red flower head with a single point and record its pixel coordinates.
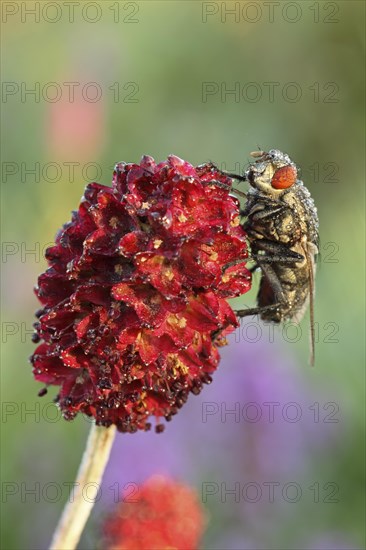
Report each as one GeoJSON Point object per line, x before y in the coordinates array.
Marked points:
{"type": "Point", "coordinates": [135, 296]}
{"type": "Point", "coordinates": [163, 515]}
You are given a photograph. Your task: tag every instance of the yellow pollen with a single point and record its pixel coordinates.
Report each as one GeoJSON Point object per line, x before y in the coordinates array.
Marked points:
{"type": "Point", "coordinates": [168, 273]}
{"type": "Point", "coordinates": [157, 243]}
{"type": "Point", "coordinates": [155, 299]}
{"type": "Point", "coordinates": [221, 341]}
{"type": "Point", "coordinates": [182, 218]}
{"type": "Point", "coordinates": [173, 320]}
{"type": "Point", "coordinates": [113, 222]}
{"type": "Point", "coordinates": [176, 364]}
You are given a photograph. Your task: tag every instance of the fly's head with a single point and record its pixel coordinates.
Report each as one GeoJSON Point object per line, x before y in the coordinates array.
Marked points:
{"type": "Point", "coordinates": [271, 172]}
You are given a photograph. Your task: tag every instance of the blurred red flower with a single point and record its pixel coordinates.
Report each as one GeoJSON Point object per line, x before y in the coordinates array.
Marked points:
{"type": "Point", "coordinates": [74, 123]}
{"type": "Point", "coordinates": [135, 296]}
{"type": "Point", "coordinates": [164, 515]}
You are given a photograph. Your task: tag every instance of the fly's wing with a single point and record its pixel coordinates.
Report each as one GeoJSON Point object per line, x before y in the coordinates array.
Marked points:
{"type": "Point", "coordinates": [311, 251]}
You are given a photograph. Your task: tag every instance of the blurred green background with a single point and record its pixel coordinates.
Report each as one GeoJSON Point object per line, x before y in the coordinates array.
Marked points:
{"type": "Point", "coordinates": [155, 78]}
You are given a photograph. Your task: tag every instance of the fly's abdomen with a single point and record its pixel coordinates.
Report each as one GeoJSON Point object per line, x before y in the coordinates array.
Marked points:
{"type": "Point", "coordinates": [290, 304]}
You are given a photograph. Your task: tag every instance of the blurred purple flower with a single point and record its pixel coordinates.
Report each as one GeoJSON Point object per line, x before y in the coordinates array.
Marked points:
{"type": "Point", "coordinates": [255, 423]}
{"type": "Point", "coordinates": [254, 420]}
{"type": "Point", "coordinates": [333, 541]}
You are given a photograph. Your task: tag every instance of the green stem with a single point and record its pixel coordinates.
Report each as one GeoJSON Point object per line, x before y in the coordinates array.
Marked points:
{"type": "Point", "coordinates": [77, 509]}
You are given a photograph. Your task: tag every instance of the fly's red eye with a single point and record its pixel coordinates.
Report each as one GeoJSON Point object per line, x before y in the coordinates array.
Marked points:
{"type": "Point", "coordinates": [284, 177]}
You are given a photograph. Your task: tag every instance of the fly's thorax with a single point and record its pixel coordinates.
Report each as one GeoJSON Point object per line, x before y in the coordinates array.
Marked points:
{"type": "Point", "coordinates": [275, 220]}
{"type": "Point", "coordinates": [299, 200]}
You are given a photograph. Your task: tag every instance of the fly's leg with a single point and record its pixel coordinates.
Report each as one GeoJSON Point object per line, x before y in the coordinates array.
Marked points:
{"type": "Point", "coordinates": [229, 174]}
{"type": "Point", "coordinates": [277, 253]}
{"type": "Point", "coordinates": [232, 176]}
{"type": "Point", "coordinates": [267, 212]}
{"type": "Point", "coordinates": [255, 310]}
{"type": "Point", "coordinates": [273, 280]}
{"type": "Point", "coordinates": [226, 186]}
{"type": "Point", "coordinates": [264, 263]}
{"type": "Point", "coordinates": [287, 257]}
{"type": "Point", "coordinates": [219, 184]}
{"type": "Point", "coordinates": [263, 208]}
{"type": "Point", "coordinates": [278, 293]}
{"type": "Point", "coordinates": [234, 262]}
